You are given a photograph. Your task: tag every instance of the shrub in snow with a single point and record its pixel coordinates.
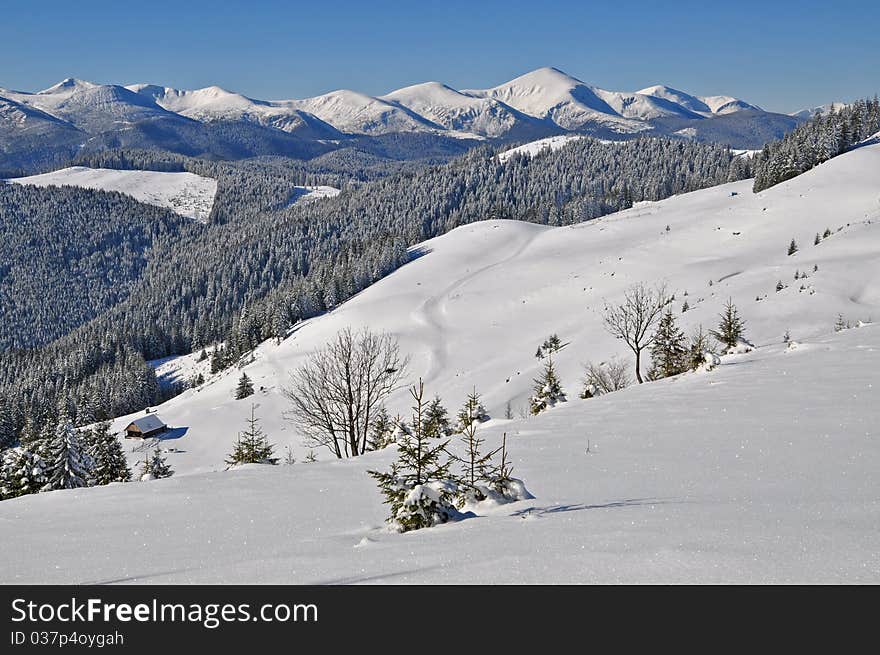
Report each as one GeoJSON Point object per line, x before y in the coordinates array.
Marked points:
{"type": "Point", "coordinates": [21, 472]}
{"type": "Point", "coordinates": [841, 324]}
{"type": "Point", "coordinates": [155, 467]}
{"type": "Point", "coordinates": [252, 445]}
{"type": "Point", "coordinates": [418, 487]}
{"type": "Point", "coordinates": [605, 377]}
{"type": "Point", "coordinates": [731, 329]}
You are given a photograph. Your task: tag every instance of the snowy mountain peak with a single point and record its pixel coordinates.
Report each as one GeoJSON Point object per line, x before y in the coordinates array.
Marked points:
{"type": "Point", "coordinates": [68, 85]}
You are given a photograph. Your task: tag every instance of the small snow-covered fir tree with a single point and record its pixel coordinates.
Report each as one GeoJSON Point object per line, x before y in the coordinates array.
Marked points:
{"type": "Point", "coordinates": [418, 486]}
{"type": "Point", "coordinates": [700, 350]}
{"type": "Point", "coordinates": [548, 389]}
{"type": "Point", "coordinates": [68, 464]}
{"type": "Point", "coordinates": [252, 446]}
{"type": "Point", "coordinates": [436, 423]}
{"type": "Point", "coordinates": [382, 431]}
{"type": "Point", "coordinates": [155, 467]}
{"type": "Point", "coordinates": [21, 472]}
{"type": "Point", "coordinates": [731, 329]}
{"type": "Point", "coordinates": [472, 411]}
{"type": "Point", "coordinates": [792, 247]}
{"type": "Point", "coordinates": [669, 352]}
{"type": "Point", "coordinates": [245, 387]}
{"type": "Point", "coordinates": [109, 460]}
{"type": "Point", "coordinates": [476, 465]}
{"type": "Point", "coordinates": [501, 480]}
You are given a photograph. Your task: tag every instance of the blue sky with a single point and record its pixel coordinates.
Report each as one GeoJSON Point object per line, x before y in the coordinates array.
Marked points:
{"type": "Point", "coordinates": [781, 55]}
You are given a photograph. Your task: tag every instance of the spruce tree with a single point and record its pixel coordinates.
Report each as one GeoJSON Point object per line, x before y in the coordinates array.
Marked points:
{"type": "Point", "coordinates": [699, 346]}
{"type": "Point", "coordinates": [106, 452]}
{"type": "Point", "coordinates": [417, 487]}
{"type": "Point", "coordinates": [155, 467]}
{"type": "Point", "coordinates": [252, 446]}
{"type": "Point", "coordinates": [792, 247]}
{"type": "Point", "coordinates": [548, 389]}
{"type": "Point", "coordinates": [436, 425]}
{"type": "Point", "coordinates": [381, 431]}
{"type": "Point", "coordinates": [21, 472]}
{"type": "Point", "coordinates": [731, 329]}
{"type": "Point", "coordinates": [245, 387]}
{"type": "Point", "coordinates": [669, 352]}
{"type": "Point", "coordinates": [472, 411]}
{"type": "Point", "coordinates": [68, 464]}
{"type": "Point", "coordinates": [476, 465]}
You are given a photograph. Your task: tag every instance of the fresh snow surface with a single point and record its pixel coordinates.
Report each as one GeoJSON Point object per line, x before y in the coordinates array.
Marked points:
{"type": "Point", "coordinates": [186, 194]}
{"type": "Point", "coordinates": [550, 144]}
{"type": "Point", "coordinates": [760, 470]}
{"type": "Point", "coordinates": [310, 193]}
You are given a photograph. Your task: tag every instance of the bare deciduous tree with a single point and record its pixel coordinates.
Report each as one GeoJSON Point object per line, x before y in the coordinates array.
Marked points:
{"type": "Point", "coordinates": [606, 377]}
{"type": "Point", "coordinates": [633, 320]}
{"type": "Point", "coordinates": [337, 393]}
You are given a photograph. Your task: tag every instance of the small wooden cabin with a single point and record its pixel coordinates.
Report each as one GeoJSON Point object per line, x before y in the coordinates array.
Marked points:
{"type": "Point", "coordinates": [145, 427]}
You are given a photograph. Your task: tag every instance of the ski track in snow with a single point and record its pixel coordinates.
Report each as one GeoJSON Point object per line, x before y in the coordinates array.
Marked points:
{"type": "Point", "coordinates": [432, 312]}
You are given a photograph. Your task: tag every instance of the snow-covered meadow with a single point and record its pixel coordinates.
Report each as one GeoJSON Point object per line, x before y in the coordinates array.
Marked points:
{"type": "Point", "coordinates": [761, 470]}
{"type": "Point", "coordinates": [187, 194]}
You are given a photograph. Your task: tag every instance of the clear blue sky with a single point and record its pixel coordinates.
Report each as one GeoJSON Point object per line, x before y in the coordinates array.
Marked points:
{"type": "Point", "coordinates": [782, 55]}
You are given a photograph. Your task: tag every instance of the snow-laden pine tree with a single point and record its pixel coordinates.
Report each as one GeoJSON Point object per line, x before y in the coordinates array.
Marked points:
{"type": "Point", "coordinates": [476, 465]}
{"type": "Point", "coordinates": [68, 463]}
{"type": "Point", "coordinates": [109, 460]}
{"type": "Point", "coordinates": [245, 387]}
{"type": "Point", "coordinates": [548, 389]}
{"type": "Point", "coordinates": [472, 411]}
{"type": "Point", "coordinates": [21, 472]}
{"type": "Point", "coordinates": [252, 445]}
{"type": "Point", "coordinates": [669, 352]}
{"type": "Point", "coordinates": [155, 467]}
{"type": "Point", "coordinates": [731, 328]}
{"type": "Point", "coordinates": [418, 487]}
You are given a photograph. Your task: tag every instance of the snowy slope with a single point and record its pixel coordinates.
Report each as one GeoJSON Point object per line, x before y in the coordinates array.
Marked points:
{"type": "Point", "coordinates": [358, 113]}
{"type": "Point", "coordinates": [762, 471]}
{"type": "Point", "coordinates": [702, 105]}
{"type": "Point", "coordinates": [186, 194]}
{"type": "Point", "coordinates": [550, 144]}
{"type": "Point", "coordinates": [474, 308]}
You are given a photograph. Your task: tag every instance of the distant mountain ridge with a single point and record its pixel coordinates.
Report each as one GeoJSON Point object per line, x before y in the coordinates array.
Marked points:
{"type": "Point", "coordinates": [221, 123]}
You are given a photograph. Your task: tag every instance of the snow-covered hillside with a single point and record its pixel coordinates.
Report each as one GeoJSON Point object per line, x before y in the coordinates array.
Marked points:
{"type": "Point", "coordinates": [186, 194]}
{"type": "Point", "coordinates": [474, 307]}
{"type": "Point", "coordinates": [762, 470]}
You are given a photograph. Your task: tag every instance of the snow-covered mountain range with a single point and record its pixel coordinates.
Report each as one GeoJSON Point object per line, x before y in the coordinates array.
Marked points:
{"type": "Point", "coordinates": [541, 103]}
{"type": "Point", "coordinates": [546, 95]}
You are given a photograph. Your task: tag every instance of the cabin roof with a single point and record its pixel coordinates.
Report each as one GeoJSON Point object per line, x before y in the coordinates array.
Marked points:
{"type": "Point", "coordinates": [147, 423]}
